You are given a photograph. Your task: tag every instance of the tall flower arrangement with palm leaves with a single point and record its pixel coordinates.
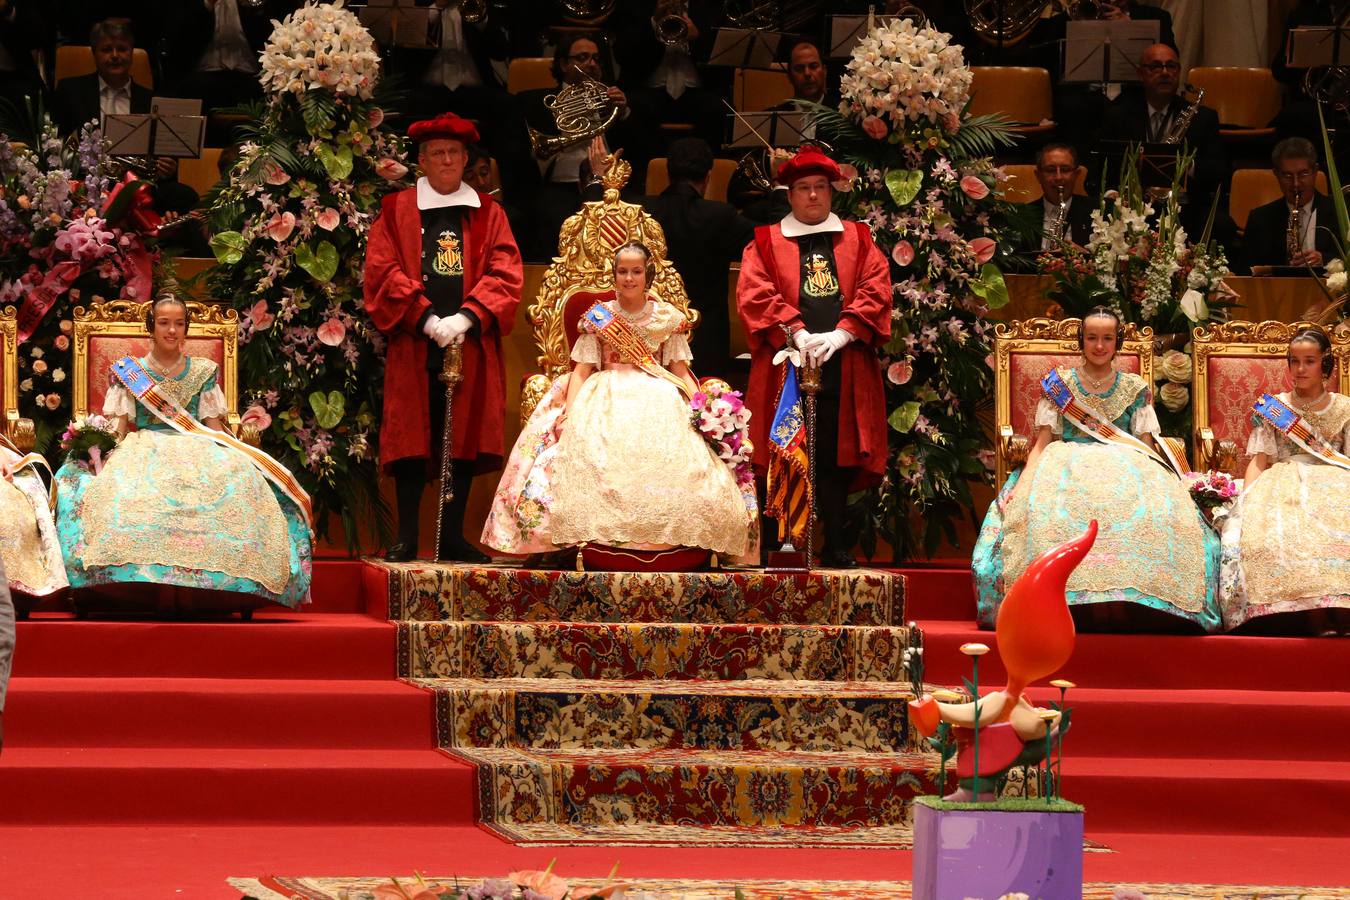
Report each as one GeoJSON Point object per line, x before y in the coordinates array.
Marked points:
{"type": "Point", "coordinates": [1334, 285]}
{"type": "Point", "coordinates": [291, 227]}
{"type": "Point", "coordinates": [928, 189]}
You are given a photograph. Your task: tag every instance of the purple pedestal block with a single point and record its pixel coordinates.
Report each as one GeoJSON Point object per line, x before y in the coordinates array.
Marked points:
{"type": "Point", "coordinates": [984, 854]}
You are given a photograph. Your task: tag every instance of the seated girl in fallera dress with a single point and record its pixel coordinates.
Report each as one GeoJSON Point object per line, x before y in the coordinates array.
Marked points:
{"type": "Point", "coordinates": [179, 502]}
{"type": "Point", "coordinates": [28, 544]}
{"type": "Point", "coordinates": [1153, 549]}
{"type": "Point", "coordinates": [610, 456]}
{"type": "Point", "coordinates": [1286, 544]}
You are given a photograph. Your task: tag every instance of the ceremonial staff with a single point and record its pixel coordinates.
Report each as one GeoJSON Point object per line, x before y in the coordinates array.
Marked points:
{"type": "Point", "coordinates": [450, 376]}
{"type": "Point", "coordinates": [810, 384]}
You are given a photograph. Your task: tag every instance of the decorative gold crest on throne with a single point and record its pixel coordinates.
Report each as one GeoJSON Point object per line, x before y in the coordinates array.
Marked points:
{"type": "Point", "coordinates": [583, 271]}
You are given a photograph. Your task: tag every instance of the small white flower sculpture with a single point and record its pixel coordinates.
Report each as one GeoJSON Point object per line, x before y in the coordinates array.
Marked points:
{"type": "Point", "coordinates": [320, 47]}
{"type": "Point", "coordinates": [903, 74]}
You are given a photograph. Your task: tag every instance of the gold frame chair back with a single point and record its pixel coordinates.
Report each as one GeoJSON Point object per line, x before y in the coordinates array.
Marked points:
{"type": "Point", "coordinates": [126, 318]}
{"type": "Point", "coordinates": [1042, 336]}
{"type": "Point", "coordinates": [17, 429]}
{"type": "Point", "coordinates": [585, 263]}
{"type": "Point", "coordinates": [1239, 338]}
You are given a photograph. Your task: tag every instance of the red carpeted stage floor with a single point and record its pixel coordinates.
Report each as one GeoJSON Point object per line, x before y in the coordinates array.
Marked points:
{"type": "Point", "coordinates": [154, 759]}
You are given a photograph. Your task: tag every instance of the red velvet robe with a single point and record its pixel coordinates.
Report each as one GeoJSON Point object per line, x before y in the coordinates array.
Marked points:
{"type": "Point", "coordinates": [766, 297]}
{"type": "Point", "coordinates": [395, 300]}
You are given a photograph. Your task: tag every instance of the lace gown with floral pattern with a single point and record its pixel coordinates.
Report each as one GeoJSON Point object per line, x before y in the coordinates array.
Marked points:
{"type": "Point", "coordinates": [1286, 544]}
{"type": "Point", "coordinates": [629, 469]}
{"type": "Point", "coordinates": [171, 508]}
{"type": "Point", "coordinates": [28, 545]}
{"type": "Point", "coordinates": [1153, 547]}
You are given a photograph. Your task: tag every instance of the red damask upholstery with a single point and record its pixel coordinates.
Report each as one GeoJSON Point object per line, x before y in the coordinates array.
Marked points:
{"type": "Point", "coordinates": [1025, 371]}
{"type": "Point", "coordinates": [576, 307]}
{"type": "Point", "coordinates": [1232, 385]}
{"type": "Point", "coordinates": [104, 350]}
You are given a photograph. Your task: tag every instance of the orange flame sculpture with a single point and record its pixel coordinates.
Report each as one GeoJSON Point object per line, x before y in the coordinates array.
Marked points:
{"type": "Point", "coordinates": [1035, 635]}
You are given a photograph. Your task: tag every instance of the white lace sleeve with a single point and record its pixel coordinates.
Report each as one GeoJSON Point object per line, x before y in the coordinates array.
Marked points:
{"type": "Point", "coordinates": [119, 402]}
{"type": "Point", "coordinates": [1262, 440]}
{"type": "Point", "coordinates": [676, 349]}
{"type": "Point", "coordinates": [586, 349]}
{"type": "Point", "coordinates": [1144, 421]}
{"type": "Point", "coordinates": [1048, 414]}
{"type": "Point", "coordinates": [212, 403]}
{"type": "Point", "coordinates": [1345, 438]}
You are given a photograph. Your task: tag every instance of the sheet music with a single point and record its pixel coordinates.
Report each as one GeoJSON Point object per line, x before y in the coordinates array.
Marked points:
{"type": "Point", "coordinates": [1106, 51]}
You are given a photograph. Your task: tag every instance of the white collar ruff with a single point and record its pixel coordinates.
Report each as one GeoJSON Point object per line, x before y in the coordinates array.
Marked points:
{"type": "Point", "coordinates": [429, 198]}
{"type": "Point", "coordinates": [794, 227]}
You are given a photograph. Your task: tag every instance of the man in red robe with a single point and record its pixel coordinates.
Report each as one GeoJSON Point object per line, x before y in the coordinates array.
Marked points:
{"type": "Point", "coordinates": [823, 285]}
{"type": "Point", "coordinates": [442, 268]}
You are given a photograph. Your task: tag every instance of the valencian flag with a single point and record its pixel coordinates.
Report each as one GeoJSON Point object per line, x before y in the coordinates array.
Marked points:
{"type": "Point", "coordinates": [788, 493]}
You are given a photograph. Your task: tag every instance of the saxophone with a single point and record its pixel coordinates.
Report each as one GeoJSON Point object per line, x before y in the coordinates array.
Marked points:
{"type": "Point", "coordinates": [1176, 129]}
{"type": "Point", "coordinates": [1293, 232]}
{"type": "Point", "coordinates": [1059, 223]}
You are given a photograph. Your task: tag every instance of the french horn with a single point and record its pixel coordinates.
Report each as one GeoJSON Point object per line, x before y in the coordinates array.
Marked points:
{"type": "Point", "coordinates": [581, 110]}
{"type": "Point", "coordinates": [1004, 21]}
{"type": "Point", "coordinates": [586, 11]}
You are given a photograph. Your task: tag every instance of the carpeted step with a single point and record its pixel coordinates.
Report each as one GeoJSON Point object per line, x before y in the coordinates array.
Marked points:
{"type": "Point", "coordinates": [594, 650]}
{"type": "Point", "coordinates": [549, 713]}
{"type": "Point", "coordinates": [447, 592]}
{"type": "Point", "coordinates": [552, 834]}
{"type": "Point", "coordinates": [697, 787]}
{"type": "Point", "coordinates": [217, 712]}
{"type": "Point", "coordinates": [137, 785]}
{"type": "Point", "coordinates": [281, 644]}
{"type": "Point", "coordinates": [1235, 724]}
{"type": "Point", "coordinates": [1210, 796]}
{"type": "Point", "coordinates": [1159, 661]}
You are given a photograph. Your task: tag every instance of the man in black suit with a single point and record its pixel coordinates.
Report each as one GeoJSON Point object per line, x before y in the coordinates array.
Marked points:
{"type": "Point", "coordinates": [1148, 116]}
{"type": "Point", "coordinates": [110, 90]}
{"type": "Point", "coordinates": [1268, 238]}
{"type": "Point", "coordinates": [1056, 169]}
{"type": "Point", "coordinates": [703, 238]}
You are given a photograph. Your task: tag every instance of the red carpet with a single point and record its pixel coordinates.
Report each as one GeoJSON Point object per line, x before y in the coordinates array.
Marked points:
{"type": "Point", "coordinates": [148, 759]}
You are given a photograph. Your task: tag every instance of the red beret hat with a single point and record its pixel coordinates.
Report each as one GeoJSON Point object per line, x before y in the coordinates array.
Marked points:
{"type": "Point", "coordinates": [810, 160]}
{"type": "Point", "coordinates": [447, 126]}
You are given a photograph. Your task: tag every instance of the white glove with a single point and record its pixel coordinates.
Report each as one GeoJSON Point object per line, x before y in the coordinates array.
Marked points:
{"type": "Point", "coordinates": [800, 338]}
{"type": "Point", "coordinates": [820, 347]}
{"type": "Point", "coordinates": [457, 326]}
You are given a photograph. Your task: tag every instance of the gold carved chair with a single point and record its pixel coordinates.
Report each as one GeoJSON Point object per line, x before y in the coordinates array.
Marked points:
{"type": "Point", "coordinates": [1233, 363]}
{"type": "Point", "coordinates": [107, 331]}
{"type": "Point", "coordinates": [583, 272]}
{"type": "Point", "coordinates": [18, 430]}
{"type": "Point", "coordinates": [1024, 351]}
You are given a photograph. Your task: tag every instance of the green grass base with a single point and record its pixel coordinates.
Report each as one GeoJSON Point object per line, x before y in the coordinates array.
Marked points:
{"type": "Point", "coordinates": [1005, 804]}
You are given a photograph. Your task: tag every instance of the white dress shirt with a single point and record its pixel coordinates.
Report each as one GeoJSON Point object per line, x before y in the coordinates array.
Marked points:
{"type": "Point", "coordinates": [676, 72]}
{"type": "Point", "coordinates": [453, 66]}
{"type": "Point", "coordinates": [114, 101]}
{"type": "Point", "coordinates": [228, 50]}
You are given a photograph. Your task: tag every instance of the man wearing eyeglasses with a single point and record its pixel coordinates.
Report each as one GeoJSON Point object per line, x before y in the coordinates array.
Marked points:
{"type": "Point", "coordinates": [1148, 116]}
{"type": "Point", "coordinates": [1268, 239]}
{"type": "Point", "coordinates": [1056, 171]}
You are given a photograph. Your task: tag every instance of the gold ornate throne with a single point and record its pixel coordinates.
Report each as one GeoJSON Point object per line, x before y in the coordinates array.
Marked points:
{"type": "Point", "coordinates": [583, 272]}
{"type": "Point", "coordinates": [1232, 365]}
{"type": "Point", "coordinates": [1024, 351]}
{"type": "Point", "coordinates": [105, 332]}
{"type": "Point", "coordinates": [18, 430]}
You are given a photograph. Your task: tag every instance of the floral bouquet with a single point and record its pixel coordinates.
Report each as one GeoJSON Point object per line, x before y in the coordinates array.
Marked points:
{"type": "Point", "coordinates": [88, 441]}
{"type": "Point", "coordinates": [290, 231]}
{"type": "Point", "coordinates": [1214, 492]}
{"type": "Point", "coordinates": [720, 415]}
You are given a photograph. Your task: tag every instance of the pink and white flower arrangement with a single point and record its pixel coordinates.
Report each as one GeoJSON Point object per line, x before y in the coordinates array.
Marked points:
{"type": "Point", "coordinates": [321, 46]}
{"type": "Point", "coordinates": [721, 416]}
{"type": "Point", "coordinates": [902, 74]}
{"type": "Point", "coordinates": [1214, 492]}
{"type": "Point", "coordinates": [88, 440]}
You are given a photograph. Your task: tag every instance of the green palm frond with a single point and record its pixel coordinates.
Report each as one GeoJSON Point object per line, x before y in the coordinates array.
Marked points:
{"type": "Point", "coordinates": [983, 136]}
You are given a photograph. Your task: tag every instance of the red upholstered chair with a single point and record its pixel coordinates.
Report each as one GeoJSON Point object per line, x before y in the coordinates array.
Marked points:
{"type": "Point", "coordinates": [18, 430]}
{"type": "Point", "coordinates": [1023, 352]}
{"type": "Point", "coordinates": [105, 332]}
{"type": "Point", "coordinates": [1234, 363]}
{"type": "Point", "coordinates": [582, 273]}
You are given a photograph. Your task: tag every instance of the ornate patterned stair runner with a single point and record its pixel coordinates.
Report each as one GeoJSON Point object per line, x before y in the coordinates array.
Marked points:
{"type": "Point", "coordinates": [699, 708]}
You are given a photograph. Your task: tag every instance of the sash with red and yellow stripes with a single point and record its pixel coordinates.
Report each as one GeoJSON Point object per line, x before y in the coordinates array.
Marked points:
{"type": "Point", "coordinates": [615, 331]}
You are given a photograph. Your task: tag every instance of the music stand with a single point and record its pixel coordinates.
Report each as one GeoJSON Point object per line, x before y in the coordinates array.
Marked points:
{"type": "Point", "coordinates": [776, 128]}
{"type": "Point", "coordinates": [154, 135]}
{"type": "Point", "coordinates": [744, 48]}
{"type": "Point", "coordinates": [1105, 52]}
{"type": "Point", "coordinates": [395, 24]}
{"type": "Point", "coordinates": [845, 32]}
{"type": "Point", "coordinates": [1157, 162]}
{"type": "Point", "coordinates": [1308, 48]}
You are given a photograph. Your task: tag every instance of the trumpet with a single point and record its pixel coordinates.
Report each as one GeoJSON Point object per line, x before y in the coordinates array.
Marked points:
{"type": "Point", "coordinates": [671, 22]}
{"type": "Point", "coordinates": [581, 111]}
{"type": "Point", "coordinates": [473, 11]}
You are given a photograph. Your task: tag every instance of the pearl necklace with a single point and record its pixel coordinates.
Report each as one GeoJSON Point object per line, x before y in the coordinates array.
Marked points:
{"type": "Point", "coordinates": [1307, 405]}
{"type": "Point", "coordinates": [1096, 384]}
{"type": "Point", "coordinates": [150, 359]}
